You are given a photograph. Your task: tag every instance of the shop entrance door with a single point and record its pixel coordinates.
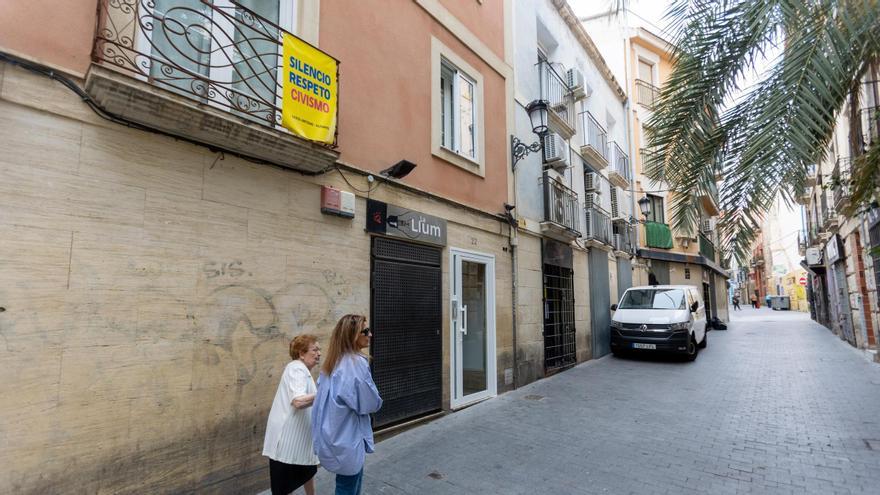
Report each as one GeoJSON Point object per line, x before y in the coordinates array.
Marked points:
{"type": "Point", "coordinates": [405, 315]}
{"type": "Point", "coordinates": [472, 315]}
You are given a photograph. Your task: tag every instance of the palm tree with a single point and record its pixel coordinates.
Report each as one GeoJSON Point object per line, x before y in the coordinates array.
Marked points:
{"type": "Point", "coordinates": [764, 137]}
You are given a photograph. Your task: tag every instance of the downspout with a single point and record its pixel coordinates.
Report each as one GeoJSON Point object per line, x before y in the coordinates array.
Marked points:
{"type": "Point", "coordinates": [629, 138]}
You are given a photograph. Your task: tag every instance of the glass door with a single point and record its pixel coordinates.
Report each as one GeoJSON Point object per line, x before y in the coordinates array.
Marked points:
{"type": "Point", "coordinates": [472, 327]}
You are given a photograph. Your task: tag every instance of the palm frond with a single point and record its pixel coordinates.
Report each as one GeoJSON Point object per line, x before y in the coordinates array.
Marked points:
{"type": "Point", "coordinates": [767, 138]}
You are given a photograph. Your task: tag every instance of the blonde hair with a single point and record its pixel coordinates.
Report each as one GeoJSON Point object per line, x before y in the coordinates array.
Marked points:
{"type": "Point", "coordinates": [343, 341]}
{"type": "Point", "coordinates": [300, 344]}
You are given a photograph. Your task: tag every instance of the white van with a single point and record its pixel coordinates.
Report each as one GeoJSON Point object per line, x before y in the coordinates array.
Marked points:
{"type": "Point", "coordinates": [656, 318]}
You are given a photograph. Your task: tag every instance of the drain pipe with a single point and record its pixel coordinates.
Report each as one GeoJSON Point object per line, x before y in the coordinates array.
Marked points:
{"type": "Point", "coordinates": [513, 240]}
{"type": "Point", "coordinates": [630, 142]}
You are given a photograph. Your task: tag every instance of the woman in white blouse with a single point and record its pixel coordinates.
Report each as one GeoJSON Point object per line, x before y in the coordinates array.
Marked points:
{"type": "Point", "coordinates": [288, 442]}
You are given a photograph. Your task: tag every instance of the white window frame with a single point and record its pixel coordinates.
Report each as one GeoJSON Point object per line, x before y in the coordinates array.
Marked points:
{"type": "Point", "coordinates": [441, 56]}
{"type": "Point", "coordinates": [451, 124]}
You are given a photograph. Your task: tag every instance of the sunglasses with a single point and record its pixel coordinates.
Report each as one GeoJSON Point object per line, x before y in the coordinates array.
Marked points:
{"type": "Point", "coordinates": [366, 331]}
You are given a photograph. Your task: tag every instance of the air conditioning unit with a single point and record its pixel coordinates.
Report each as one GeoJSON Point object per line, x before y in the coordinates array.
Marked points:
{"type": "Point", "coordinates": [708, 225]}
{"type": "Point", "coordinates": [617, 242]}
{"type": "Point", "coordinates": [591, 200]}
{"type": "Point", "coordinates": [591, 181]}
{"type": "Point", "coordinates": [577, 84]}
{"type": "Point", "coordinates": [555, 151]}
{"type": "Point", "coordinates": [615, 210]}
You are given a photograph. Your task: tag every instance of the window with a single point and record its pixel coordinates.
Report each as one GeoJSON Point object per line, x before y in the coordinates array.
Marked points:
{"type": "Point", "coordinates": [646, 71]}
{"type": "Point", "coordinates": [458, 112]}
{"type": "Point", "coordinates": [653, 299]}
{"type": "Point", "coordinates": [657, 214]}
{"type": "Point", "coordinates": [457, 129]}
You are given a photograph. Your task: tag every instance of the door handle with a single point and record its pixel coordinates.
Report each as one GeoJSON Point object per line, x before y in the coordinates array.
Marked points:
{"type": "Point", "coordinates": [463, 323]}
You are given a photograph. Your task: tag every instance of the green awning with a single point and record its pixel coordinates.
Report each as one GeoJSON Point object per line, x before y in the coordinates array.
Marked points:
{"type": "Point", "coordinates": [658, 235]}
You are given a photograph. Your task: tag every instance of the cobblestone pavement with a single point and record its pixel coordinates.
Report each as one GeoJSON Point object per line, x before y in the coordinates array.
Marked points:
{"type": "Point", "coordinates": [775, 404]}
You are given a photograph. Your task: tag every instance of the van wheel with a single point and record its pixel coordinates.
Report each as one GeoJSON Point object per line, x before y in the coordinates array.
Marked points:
{"type": "Point", "coordinates": [705, 339]}
{"type": "Point", "coordinates": [691, 352]}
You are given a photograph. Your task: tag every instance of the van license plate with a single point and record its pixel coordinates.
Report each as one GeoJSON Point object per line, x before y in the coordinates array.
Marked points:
{"type": "Point", "coordinates": [644, 346]}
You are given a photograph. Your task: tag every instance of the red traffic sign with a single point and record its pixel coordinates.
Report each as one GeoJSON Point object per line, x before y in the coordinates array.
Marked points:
{"type": "Point", "coordinates": [802, 280]}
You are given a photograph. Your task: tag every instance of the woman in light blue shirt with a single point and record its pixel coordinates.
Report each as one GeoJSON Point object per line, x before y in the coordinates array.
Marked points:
{"type": "Point", "coordinates": [341, 428]}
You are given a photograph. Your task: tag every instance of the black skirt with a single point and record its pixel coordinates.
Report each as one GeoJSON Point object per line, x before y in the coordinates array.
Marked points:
{"type": "Point", "coordinates": [286, 478]}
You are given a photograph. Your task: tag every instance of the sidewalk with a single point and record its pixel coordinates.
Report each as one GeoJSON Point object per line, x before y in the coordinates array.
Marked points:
{"type": "Point", "coordinates": [775, 404]}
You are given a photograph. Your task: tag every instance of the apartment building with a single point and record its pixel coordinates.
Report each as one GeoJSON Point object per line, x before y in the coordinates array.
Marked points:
{"type": "Point", "coordinates": [572, 191]}
{"type": "Point", "coordinates": [168, 225]}
{"type": "Point", "coordinates": [838, 248]}
{"type": "Point", "coordinates": [641, 58]}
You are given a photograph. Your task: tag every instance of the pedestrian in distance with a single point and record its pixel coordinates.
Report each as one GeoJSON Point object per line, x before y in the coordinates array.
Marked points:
{"type": "Point", "coordinates": [736, 302]}
{"type": "Point", "coordinates": [754, 300]}
{"type": "Point", "coordinates": [346, 397]}
{"type": "Point", "coordinates": [288, 441]}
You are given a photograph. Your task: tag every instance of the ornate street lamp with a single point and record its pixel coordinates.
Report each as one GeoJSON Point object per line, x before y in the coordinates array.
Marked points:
{"type": "Point", "coordinates": [537, 111]}
{"type": "Point", "coordinates": [645, 206]}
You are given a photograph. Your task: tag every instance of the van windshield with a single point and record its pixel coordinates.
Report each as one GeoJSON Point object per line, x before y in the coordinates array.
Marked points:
{"type": "Point", "coordinates": [653, 299]}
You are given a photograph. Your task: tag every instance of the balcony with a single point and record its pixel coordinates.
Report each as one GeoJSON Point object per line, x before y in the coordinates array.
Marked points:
{"type": "Point", "coordinates": [646, 94]}
{"type": "Point", "coordinates": [208, 72]}
{"type": "Point", "coordinates": [623, 238]}
{"type": "Point", "coordinates": [709, 200]}
{"type": "Point", "coordinates": [840, 183]}
{"type": "Point", "coordinates": [707, 247]}
{"type": "Point", "coordinates": [811, 176]}
{"type": "Point", "coordinates": [829, 220]}
{"type": "Point", "coordinates": [658, 235]}
{"type": "Point", "coordinates": [870, 120]}
{"type": "Point", "coordinates": [560, 101]}
{"type": "Point", "coordinates": [561, 212]}
{"type": "Point", "coordinates": [619, 173]}
{"type": "Point", "coordinates": [595, 146]}
{"type": "Point", "coordinates": [599, 229]}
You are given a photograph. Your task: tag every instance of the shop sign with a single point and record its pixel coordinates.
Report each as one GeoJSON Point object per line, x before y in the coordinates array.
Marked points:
{"type": "Point", "coordinates": [832, 249]}
{"type": "Point", "coordinates": [395, 221]}
{"type": "Point", "coordinates": [309, 91]}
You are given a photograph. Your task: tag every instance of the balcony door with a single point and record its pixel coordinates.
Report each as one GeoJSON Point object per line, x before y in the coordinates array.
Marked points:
{"type": "Point", "coordinates": [225, 53]}
{"type": "Point", "coordinates": [472, 327]}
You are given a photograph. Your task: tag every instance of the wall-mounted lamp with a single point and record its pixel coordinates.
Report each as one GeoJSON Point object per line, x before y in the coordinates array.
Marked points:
{"type": "Point", "coordinates": [538, 112]}
{"type": "Point", "coordinates": [399, 170]}
{"type": "Point", "coordinates": [645, 206]}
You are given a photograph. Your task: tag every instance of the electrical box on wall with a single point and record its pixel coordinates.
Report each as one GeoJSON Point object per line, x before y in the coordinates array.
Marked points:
{"type": "Point", "coordinates": [336, 202]}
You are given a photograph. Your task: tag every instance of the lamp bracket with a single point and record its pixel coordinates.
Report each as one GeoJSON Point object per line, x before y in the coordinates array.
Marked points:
{"type": "Point", "coordinates": [520, 150]}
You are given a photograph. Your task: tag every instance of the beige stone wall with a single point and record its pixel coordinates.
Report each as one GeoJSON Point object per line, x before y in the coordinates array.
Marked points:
{"type": "Point", "coordinates": [150, 288]}
{"type": "Point", "coordinates": [529, 310]}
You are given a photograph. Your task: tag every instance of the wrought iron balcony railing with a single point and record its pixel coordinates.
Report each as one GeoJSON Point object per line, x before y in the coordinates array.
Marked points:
{"type": "Point", "coordinates": [221, 54]}
{"type": "Point", "coordinates": [558, 95]}
{"type": "Point", "coordinates": [646, 93]}
{"type": "Point", "coordinates": [707, 247]}
{"type": "Point", "coordinates": [560, 203]}
{"type": "Point", "coordinates": [623, 237]}
{"type": "Point", "coordinates": [870, 120]}
{"type": "Point", "coordinates": [598, 226]}
{"type": "Point", "coordinates": [840, 183]}
{"type": "Point", "coordinates": [595, 137]}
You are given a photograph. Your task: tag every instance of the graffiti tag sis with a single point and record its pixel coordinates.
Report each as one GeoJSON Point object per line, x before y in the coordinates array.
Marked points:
{"type": "Point", "coordinates": [233, 269]}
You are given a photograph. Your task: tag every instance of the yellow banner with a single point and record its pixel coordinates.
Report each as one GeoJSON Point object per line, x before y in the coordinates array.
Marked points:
{"type": "Point", "coordinates": [309, 100]}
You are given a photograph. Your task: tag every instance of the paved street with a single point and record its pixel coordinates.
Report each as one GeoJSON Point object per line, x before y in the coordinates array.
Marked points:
{"type": "Point", "coordinates": [775, 404]}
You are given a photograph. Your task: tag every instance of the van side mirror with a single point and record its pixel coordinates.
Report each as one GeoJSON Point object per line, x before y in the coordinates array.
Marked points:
{"type": "Point", "coordinates": [613, 307]}
{"type": "Point", "coordinates": [694, 307]}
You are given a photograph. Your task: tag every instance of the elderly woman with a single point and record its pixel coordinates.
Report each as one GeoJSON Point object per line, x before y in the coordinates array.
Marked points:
{"type": "Point", "coordinates": [346, 397]}
{"type": "Point", "coordinates": [288, 442]}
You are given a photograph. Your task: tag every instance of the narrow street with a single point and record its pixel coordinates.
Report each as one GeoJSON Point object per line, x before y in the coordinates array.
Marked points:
{"type": "Point", "coordinates": [775, 404]}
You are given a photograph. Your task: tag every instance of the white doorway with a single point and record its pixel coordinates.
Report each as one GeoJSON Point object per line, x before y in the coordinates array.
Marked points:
{"type": "Point", "coordinates": [472, 325]}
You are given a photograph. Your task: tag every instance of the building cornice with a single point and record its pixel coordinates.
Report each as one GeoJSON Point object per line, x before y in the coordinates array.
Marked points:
{"type": "Point", "coordinates": [574, 24]}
